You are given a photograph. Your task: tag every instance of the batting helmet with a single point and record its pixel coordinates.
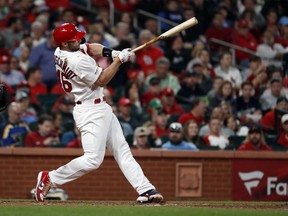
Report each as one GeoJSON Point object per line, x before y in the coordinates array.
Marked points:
{"type": "Point", "coordinates": [67, 32]}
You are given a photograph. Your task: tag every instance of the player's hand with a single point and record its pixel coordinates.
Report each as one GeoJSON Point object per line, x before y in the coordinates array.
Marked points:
{"type": "Point", "coordinates": [125, 55]}
{"type": "Point", "coordinates": [115, 53]}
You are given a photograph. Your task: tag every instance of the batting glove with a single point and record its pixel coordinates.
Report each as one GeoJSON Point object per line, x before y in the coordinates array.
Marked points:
{"type": "Point", "coordinates": [115, 53]}
{"type": "Point", "coordinates": [125, 56]}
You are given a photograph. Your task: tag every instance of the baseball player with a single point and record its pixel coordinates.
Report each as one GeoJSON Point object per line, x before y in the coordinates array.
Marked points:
{"type": "Point", "coordinates": [80, 76]}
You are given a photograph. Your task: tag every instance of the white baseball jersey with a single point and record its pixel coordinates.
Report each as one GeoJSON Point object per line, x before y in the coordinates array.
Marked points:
{"type": "Point", "coordinates": [77, 72]}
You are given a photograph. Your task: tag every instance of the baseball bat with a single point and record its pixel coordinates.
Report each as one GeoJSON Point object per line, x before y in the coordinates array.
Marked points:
{"type": "Point", "coordinates": [181, 27]}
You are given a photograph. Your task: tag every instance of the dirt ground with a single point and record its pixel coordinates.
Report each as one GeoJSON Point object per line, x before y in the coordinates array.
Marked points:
{"type": "Point", "coordinates": [202, 204]}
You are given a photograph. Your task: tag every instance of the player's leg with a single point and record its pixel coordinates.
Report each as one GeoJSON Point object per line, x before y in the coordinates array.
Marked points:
{"type": "Point", "coordinates": [92, 123]}
{"type": "Point", "coordinates": [117, 144]}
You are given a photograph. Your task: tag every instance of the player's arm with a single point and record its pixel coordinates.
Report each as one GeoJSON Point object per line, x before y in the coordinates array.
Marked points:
{"type": "Point", "coordinates": [95, 49]}
{"type": "Point", "coordinates": [109, 72]}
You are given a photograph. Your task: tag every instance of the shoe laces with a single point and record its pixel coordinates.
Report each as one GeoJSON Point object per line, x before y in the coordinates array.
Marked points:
{"type": "Point", "coordinates": [47, 186]}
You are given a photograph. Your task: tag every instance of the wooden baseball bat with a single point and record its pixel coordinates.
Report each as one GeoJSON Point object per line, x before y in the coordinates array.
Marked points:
{"type": "Point", "coordinates": [183, 26]}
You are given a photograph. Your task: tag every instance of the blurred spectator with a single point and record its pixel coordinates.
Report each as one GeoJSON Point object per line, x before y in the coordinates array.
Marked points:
{"type": "Point", "coordinates": [217, 82]}
{"type": "Point", "coordinates": [176, 139]}
{"type": "Point", "coordinates": [122, 32]}
{"type": "Point", "coordinates": [219, 31]}
{"type": "Point", "coordinates": [227, 71]}
{"type": "Point", "coordinates": [153, 139]}
{"type": "Point", "coordinates": [268, 120]}
{"type": "Point", "coordinates": [259, 82]}
{"type": "Point", "coordinates": [233, 124]}
{"type": "Point", "coordinates": [283, 137]}
{"type": "Point", "coordinates": [215, 137]}
{"type": "Point", "coordinates": [5, 13]}
{"type": "Point", "coordinates": [13, 129]}
{"type": "Point", "coordinates": [153, 91]}
{"type": "Point", "coordinates": [7, 75]}
{"type": "Point", "coordinates": [171, 11]}
{"type": "Point", "coordinates": [170, 105]}
{"type": "Point", "coordinates": [270, 50]}
{"type": "Point", "coordinates": [125, 114]}
{"type": "Point", "coordinates": [133, 92]}
{"type": "Point", "coordinates": [177, 54]}
{"type": "Point", "coordinates": [24, 58]}
{"type": "Point", "coordinates": [13, 33]}
{"type": "Point", "coordinates": [208, 69]}
{"type": "Point", "coordinates": [270, 95]}
{"type": "Point", "coordinates": [227, 108]}
{"type": "Point", "coordinates": [161, 123]}
{"type": "Point", "coordinates": [127, 17]}
{"type": "Point", "coordinates": [191, 133]}
{"type": "Point", "coordinates": [147, 57]}
{"type": "Point", "coordinates": [167, 79]}
{"type": "Point", "coordinates": [43, 56]}
{"type": "Point", "coordinates": [14, 64]}
{"type": "Point", "coordinates": [190, 88]}
{"type": "Point", "coordinates": [69, 135]}
{"type": "Point", "coordinates": [196, 113]}
{"type": "Point", "coordinates": [243, 38]}
{"type": "Point", "coordinates": [255, 140]}
{"type": "Point", "coordinates": [29, 112]}
{"type": "Point", "coordinates": [33, 82]}
{"type": "Point", "coordinates": [76, 142]}
{"type": "Point", "coordinates": [255, 66]}
{"type": "Point", "coordinates": [190, 35]}
{"type": "Point", "coordinates": [224, 93]}
{"type": "Point", "coordinates": [283, 25]}
{"type": "Point", "coordinates": [141, 138]}
{"type": "Point", "coordinates": [247, 106]}
{"type": "Point", "coordinates": [25, 42]}
{"type": "Point", "coordinates": [37, 33]}
{"type": "Point", "coordinates": [217, 112]}
{"type": "Point", "coordinates": [64, 105]}
{"type": "Point", "coordinates": [153, 108]}
{"type": "Point", "coordinates": [271, 20]}
{"type": "Point", "coordinates": [151, 25]}
{"type": "Point", "coordinates": [43, 137]}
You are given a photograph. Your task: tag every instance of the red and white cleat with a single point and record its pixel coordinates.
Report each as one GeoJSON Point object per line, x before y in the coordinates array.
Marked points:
{"type": "Point", "coordinates": [43, 186]}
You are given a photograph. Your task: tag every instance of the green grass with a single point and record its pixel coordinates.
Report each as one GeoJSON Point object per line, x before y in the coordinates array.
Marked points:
{"type": "Point", "coordinates": [170, 209]}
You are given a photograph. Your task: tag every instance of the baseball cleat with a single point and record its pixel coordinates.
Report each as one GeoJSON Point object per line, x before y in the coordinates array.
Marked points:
{"type": "Point", "coordinates": [43, 186]}
{"type": "Point", "coordinates": [150, 196]}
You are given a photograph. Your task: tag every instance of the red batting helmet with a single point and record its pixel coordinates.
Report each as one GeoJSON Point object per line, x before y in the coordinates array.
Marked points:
{"type": "Point", "coordinates": [67, 32]}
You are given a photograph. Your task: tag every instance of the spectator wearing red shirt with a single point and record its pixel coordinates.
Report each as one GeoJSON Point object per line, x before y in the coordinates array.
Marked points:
{"type": "Point", "coordinates": [243, 38]}
{"type": "Point", "coordinates": [34, 83]}
{"type": "Point", "coordinates": [197, 112]}
{"type": "Point", "coordinates": [283, 138]}
{"type": "Point", "coordinates": [169, 103]}
{"type": "Point", "coordinates": [268, 120]}
{"type": "Point", "coordinates": [147, 57]}
{"type": "Point", "coordinates": [153, 91]}
{"type": "Point", "coordinates": [255, 140]}
{"type": "Point", "coordinates": [43, 137]}
{"type": "Point", "coordinates": [219, 31]}
{"type": "Point", "coordinates": [161, 123]}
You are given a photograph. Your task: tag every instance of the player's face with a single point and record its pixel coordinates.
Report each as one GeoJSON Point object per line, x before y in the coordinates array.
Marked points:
{"type": "Point", "coordinates": [74, 46]}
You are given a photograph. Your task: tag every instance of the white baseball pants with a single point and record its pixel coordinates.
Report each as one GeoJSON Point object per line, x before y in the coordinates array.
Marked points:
{"type": "Point", "coordinates": [99, 129]}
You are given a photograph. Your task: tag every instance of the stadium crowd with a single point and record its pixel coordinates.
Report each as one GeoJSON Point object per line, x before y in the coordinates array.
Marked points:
{"type": "Point", "coordinates": [186, 92]}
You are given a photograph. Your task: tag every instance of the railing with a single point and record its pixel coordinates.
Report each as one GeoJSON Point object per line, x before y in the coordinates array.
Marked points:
{"type": "Point", "coordinates": [232, 48]}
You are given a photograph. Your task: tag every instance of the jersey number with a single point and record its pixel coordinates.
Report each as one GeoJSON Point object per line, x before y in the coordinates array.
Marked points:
{"type": "Point", "coordinates": [66, 85]}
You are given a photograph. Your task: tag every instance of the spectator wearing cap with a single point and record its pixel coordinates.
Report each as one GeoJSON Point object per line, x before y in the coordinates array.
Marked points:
{"type": "Point", "coordinates": [255, 66]}
{"type": "Point", "coordinates": [167, 79]}
{"type": "Point", "coordinates": [255, 140]}
{"type": "Point", "coordinates": [161, 123]}
{"type": "Point", "coordinates": [141, 138]}
{"type": "Point", "coordinates": [215, 138]}
{"type": "Point", "coordinates": [34, 83]}
{"type": "Point", "coordinates": [190, 88]}
{"type": "Point", "coordinates": [153, 108]}
{"type": "Point", "coordinates": [176, 139]}
{"type": "Point", "coordinates": [13, 130]}
{"type": "Point", "coordinates": [153, 91]}
{"type": "Point", "coordinates": [243, 38]}
{"type": "Point", "coordinates": [153, 139]}
{"type": "Point", "coordinates": [11, 77]}
{"type": "Point", "coordinates": [170, 105]}
{"type": "Point", "coordinates": [43, 136]}
{"type": "Point", "coordinates": [204, 76]}
{"type": "Point", "coordinates": [125, 113]}
{"type": "Point", "coordinates": [270, 51]}
{"type": "Point", "coordinates": [283, 26]}
{"type": "Point", "coordinates": [29, 112]}
{"type": "Point", "coordinates": [283, 137]}
{"type": "Point", "coordinates": [196, 113]}
{"type": "Point", "coordinates": [268, 120]}
{"type": "Point", "coordinates": [147, 57]}
{"type": "Point", "coordinates": [227, 71]}
{"type": "Point", "coordinates": [269, 97]}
